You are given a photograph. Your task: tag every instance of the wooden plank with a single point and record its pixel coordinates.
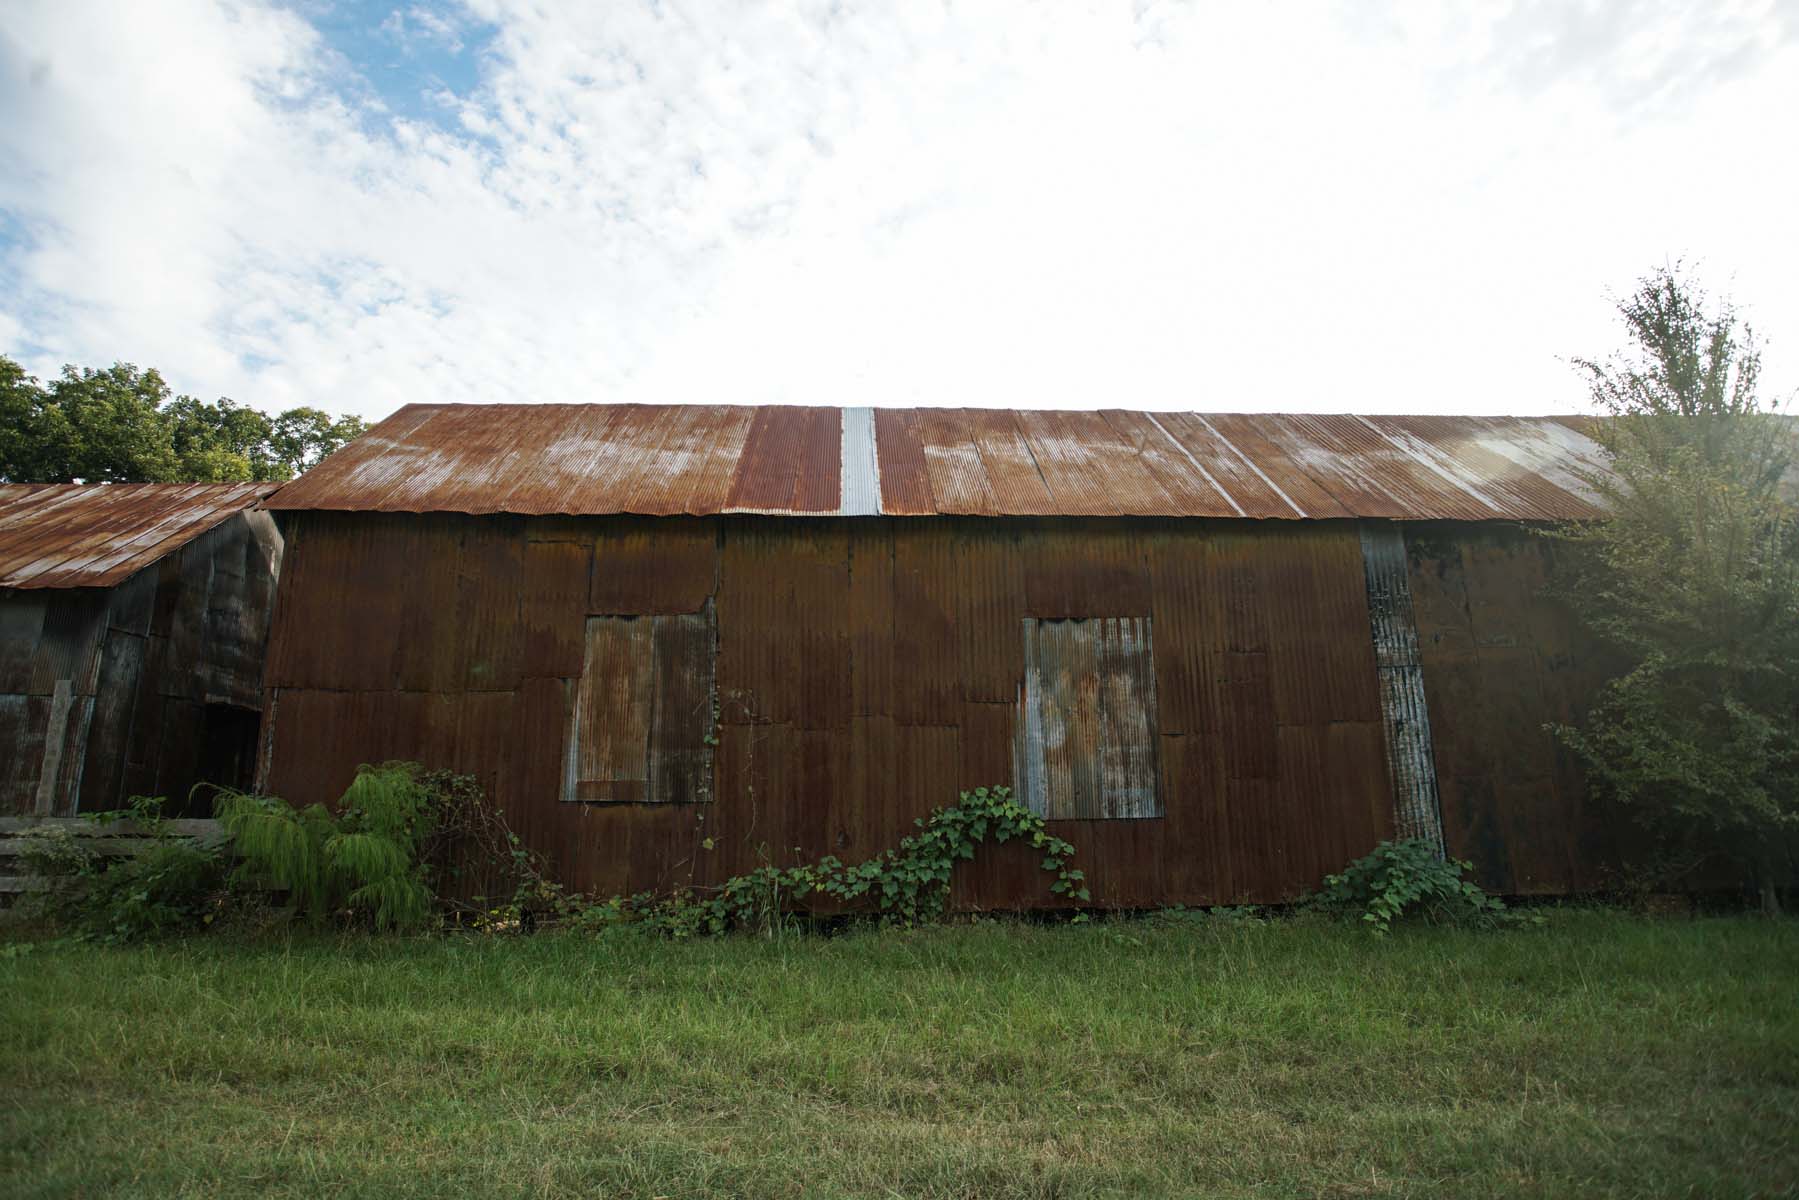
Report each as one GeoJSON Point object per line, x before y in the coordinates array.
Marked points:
{"type": "Point", "coordinates": [109, 846]}
{"type": "Point", "coordinates": [55, 739]}
{"type": "Point", "coordinates": [23, 883]}
{"type": "Point", "coordinates": [194, 827]}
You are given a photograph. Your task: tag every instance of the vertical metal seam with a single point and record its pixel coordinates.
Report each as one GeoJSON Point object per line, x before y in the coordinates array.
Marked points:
{"type": "Point", "coordinates": [1405, 713]}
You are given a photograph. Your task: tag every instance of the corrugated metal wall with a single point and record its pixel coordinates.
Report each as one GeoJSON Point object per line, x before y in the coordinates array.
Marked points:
{"type": "Point", "coordinates": [867, 671]}
{"type": "Point", "coordinates": [103, 692]}
{"type": "Point", "coordinates": [1501, 659]}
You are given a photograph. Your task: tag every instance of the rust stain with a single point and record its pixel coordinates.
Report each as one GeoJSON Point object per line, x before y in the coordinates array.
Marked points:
{"type": "Point", "coordinates": [63, 535]}
{"type": "Point", "coordinates": [660, 460]}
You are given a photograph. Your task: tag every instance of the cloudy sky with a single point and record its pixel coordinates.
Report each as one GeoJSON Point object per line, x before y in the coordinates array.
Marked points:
{"type": "Point", "coordinates": [1221, 206]}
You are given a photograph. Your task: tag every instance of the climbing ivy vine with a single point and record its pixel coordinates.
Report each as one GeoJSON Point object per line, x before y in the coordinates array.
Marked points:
{"type": "Point", "coordinates": [907, 885]}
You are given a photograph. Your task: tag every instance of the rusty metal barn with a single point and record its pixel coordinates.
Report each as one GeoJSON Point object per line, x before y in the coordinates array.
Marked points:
{"type": "Point", "coordinates": [1222, 654]}
{"type": "Point", "coordinates": [133, 619]}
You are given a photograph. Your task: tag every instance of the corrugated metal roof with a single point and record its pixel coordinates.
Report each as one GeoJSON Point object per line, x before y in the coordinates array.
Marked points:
{"type": "Point", "coordinates": [659, 460]}
{"type": "Point", "coordinates": [61, 535]}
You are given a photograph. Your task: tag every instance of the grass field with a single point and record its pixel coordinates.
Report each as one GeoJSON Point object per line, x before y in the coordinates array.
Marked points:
{"type": "Point", "coordinates": [1601, 1055]}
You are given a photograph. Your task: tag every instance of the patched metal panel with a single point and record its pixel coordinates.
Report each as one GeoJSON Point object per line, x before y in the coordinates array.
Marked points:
{"type": "Point", "coordinates": [1406, 718]}
{"type": "Point", "coordinates": [1085, 745]}
{"type": "Point", "coordinates": [641, 726]}
{"type": "Point", "coordinates": [608, 742]}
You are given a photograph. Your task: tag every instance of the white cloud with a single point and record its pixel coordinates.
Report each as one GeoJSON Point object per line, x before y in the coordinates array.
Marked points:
{"type": "Point", "coordinates": [421, 24]}
{"type": "Point", "coordinates": [861, 203]}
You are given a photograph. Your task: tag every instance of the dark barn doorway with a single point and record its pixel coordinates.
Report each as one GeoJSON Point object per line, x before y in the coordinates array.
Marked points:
{"type": "Point", "coordinates": [227, 754]}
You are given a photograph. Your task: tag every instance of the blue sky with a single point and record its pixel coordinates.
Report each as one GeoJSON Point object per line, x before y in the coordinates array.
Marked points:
{"type": "Point", "coordinates": [1365, 206]}
{"type": "Point", "coordinates": [415, 61]}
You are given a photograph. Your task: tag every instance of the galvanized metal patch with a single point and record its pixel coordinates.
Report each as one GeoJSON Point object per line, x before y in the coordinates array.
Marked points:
{"type": "Point", "coordinates": [1085, 744]}
{"type": "Point", "coordinates": [1411, 761]}
{"type": "Point", "coordinates": [861, 472]}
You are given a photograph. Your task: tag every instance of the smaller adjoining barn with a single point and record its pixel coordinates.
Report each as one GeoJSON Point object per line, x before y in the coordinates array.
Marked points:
{"type": "Point", "coordinates": [133, 619]}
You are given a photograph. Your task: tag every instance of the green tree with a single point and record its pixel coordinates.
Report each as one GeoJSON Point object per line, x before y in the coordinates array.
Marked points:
{"type": "Point", "coordinates": [1694, 580]}
{"type": "Point", "coordinates": [124, 425]}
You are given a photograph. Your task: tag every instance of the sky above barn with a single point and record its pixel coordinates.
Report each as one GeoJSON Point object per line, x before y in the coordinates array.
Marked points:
{"type": "Point", "coordinates": [1366, 206]}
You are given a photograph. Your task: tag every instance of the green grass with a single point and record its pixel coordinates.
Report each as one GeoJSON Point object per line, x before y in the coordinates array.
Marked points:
{"type": "Point", "coordinates": [1601, 1055]}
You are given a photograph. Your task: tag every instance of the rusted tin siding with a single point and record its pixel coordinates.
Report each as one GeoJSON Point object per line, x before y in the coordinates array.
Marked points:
{"type": "Point", "coordinates": [1403, 706]}
{"type": "Point", "coordinates": [144, 688]}
{"type": "Point", "coordinates": [663, 460]}
{"type": "Point", "coordinates": [867, 670]}
{"type": "Point", "coordinates": [1501, 660]}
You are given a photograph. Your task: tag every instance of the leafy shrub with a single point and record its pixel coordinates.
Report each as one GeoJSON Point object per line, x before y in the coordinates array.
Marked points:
{"type": "Point", "coordinates": [363, 858]}
{"type": "Point", "coordinates": [402, 841]}
{"type": "Point", "coordinates": [1407, 879]}
{"type": "Point", "coordinates": [170, 885]}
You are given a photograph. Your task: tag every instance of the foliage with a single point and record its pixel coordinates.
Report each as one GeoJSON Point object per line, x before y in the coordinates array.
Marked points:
{"type": "Point", "coordinates": [1408, 879]}
{"type": "Point", "coordinates": [400, 845]}
{"type": "Point", "coordinates": [172, 884]}
{"type": "Point", "coordinates": [1693, 582]}
{"type": "Point", "coordinates": [1217, 914]}
{"type": "Point", "coordinates": [123, 425]}
{"type": "Point", "coordinates": [908, 885]}
{"type": "Point", "coordinates": [364, 858]}
{"type": "Point", "coordinates": [470, 849]}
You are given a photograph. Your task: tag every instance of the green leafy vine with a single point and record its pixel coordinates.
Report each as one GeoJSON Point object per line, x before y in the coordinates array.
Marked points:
{"type": "Point", "coordinates": [907, 885]}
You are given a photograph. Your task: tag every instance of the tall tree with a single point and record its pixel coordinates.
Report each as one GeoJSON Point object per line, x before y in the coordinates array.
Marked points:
{"type": "Point", "coordinates": [124, 425]}
{"type": "Point", "coordinates": [1694, 579]}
